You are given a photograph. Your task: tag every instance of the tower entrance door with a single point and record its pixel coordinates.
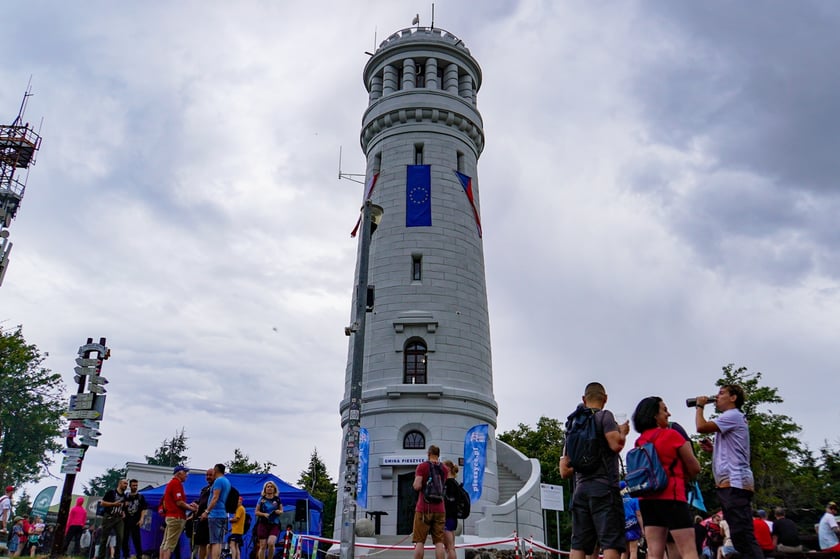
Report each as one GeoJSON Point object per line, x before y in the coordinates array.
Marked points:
{"type": "Point", "coordinates": [406, 500]}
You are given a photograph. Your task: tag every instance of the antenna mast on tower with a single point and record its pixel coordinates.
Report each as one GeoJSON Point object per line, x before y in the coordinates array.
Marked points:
{"type": "Point", "coordinates": [18, 145]}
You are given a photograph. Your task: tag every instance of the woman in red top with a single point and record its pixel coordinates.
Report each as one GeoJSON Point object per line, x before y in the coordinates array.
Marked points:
{"type": "Point", "coordinates": [667, 510]}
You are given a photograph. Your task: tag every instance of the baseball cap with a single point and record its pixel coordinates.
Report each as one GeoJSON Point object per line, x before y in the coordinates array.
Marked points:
{"type": "Point", "coordinates": [180, 468]}
{"type": "Point", "coordinates": [10, 488]}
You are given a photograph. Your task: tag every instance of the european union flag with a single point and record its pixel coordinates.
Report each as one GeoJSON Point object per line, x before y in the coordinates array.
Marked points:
{"type": "Point", "coordinates": [418, 196]}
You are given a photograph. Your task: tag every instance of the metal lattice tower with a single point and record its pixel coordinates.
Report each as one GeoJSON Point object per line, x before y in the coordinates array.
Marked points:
{"type": "Point", "coordinates": [19, 143]}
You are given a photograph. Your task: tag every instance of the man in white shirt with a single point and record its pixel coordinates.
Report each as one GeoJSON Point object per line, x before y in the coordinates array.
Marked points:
{"type": "Point", "coordinates": [828, 529]}
{"type": "Point", "coordinates": [6, 510]}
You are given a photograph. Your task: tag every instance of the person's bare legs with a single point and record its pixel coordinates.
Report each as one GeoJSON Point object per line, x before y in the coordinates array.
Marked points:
{"type": "Point", "coordinates": [418, 550]}
{"type": "Point", "coordinates": [656, 536]}
{"type": "Point", "coordinates": [632, 551]}
{"type": "Point", "coordinates": [612, 554]}
{"type": "Point", "coordinates": [684, 542]}
{"type": "Point", "coordinates": [449, 544]}
{"type": "Point", "coordinates": [440, 551]}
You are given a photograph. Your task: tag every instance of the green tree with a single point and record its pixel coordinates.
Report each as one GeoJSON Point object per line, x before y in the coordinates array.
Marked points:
{"type": "Point", "coordinates": [32, 401]}
{"type": "Point", "coordinates": [23, 505]}
{"type": "Point", "coordinates": [545, 443]}
{"type": "Point", "coordinates": [242, 464]}
{"type": "Point", "coordinates": [317, 481]}
{"type": "Point", "coordinates": [100, 484]}
{"type": "Point", "coordinates": [171, 451]}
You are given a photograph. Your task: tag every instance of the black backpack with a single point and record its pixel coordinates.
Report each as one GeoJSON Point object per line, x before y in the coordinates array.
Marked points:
{"type": "Point", "coordinates": [247, 523]}
{"type": "Point", "coordinates": [583, 440]}
{"type": "Point", "coordinates": [462, 509]}
{"type": "Point", "coordinates": [232, 500]}
{"type": "Point", "coordinates": [433, 489]}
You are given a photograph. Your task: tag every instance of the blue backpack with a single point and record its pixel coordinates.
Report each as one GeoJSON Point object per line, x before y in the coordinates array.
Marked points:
{"type": "Point", "coordinates": [645, 474]}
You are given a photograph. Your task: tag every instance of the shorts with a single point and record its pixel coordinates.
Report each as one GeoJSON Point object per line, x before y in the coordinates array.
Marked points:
{"type": "Point", "coordinates": [200, 535]}
{"type": "Point", "coordinates": [597, 517]}
{"type": "Point", "coordinates": [235, 538]}
{"type": "Point", "coordinates": [172, 533]}
{"type": "Point", "coordinates": [426, 523]}
{"type": "Point", "coordinates": [673, 515]}
{"type": "Point", "coordinates": [633, 535]}
{"type": "Point", "coordinates": [217, 528]}
{"type": "Point", "coordinates": [451, 524]}
{"type": "Point", "coordinates": [266, 530]}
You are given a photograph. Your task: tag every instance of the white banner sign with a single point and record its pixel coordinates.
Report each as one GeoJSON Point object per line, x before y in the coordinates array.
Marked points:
{"type": "Point", "coordinates": [551, 496]}
{"type": "Point", "coordinates": [402, 460]}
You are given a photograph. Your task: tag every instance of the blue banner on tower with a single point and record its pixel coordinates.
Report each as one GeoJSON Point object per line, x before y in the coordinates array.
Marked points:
{"type": "Point", "coordinates": [418, 196]}
{"type": "Point", "coordinates": [364, 457]}
{"type": "Point", "coordinates": [475, 458]}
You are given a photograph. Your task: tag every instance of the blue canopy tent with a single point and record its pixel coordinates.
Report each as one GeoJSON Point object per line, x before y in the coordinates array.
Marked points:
{"type": "Point", "coordinates": [300, 509]}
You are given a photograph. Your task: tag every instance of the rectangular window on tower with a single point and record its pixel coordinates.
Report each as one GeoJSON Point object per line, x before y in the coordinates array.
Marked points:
{"type": "Point", "coordinates": [377, 163]}
{"type": "Point", "coordinates": [459, 156]}
{"type": "Point", "coordinates": [418, 154]}
{"type": "Point", "coordinates": [416, 267]}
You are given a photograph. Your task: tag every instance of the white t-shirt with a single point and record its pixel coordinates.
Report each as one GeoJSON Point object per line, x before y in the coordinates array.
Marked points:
{"type": "Point", "coordinates": [826, 531]}
{"type": "Point", "coordinates": [5, 508]}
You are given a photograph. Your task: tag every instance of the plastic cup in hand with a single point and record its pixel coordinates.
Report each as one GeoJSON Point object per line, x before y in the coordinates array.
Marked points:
{"type": "Point", "coordinates": [620, 418]}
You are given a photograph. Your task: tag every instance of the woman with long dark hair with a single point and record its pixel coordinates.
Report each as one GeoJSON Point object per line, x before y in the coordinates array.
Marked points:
{"type": "Point", "coordinates": [668, 509]}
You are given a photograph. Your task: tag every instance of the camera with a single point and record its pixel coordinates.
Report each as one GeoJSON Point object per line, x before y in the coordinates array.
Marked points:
{"type": "Point", "coordinates": [692, 402]}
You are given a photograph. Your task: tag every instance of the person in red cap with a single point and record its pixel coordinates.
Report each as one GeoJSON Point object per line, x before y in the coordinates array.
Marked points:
{"type": "Point", "coordinates": [175, 507]}
{"type": "Point", "coordinates": [6, 509]}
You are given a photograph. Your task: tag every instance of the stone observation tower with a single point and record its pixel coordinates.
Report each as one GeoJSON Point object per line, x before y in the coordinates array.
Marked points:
{"type": "Point", "coordinates": [427, 375]}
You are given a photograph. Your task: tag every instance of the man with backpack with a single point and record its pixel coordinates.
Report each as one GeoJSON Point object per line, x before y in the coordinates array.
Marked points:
{"type": "Point", "coordinates": [216, 514]}
{"type": "Point", "coordinates": [593, 442]}
{"type": "Point", "coordinates": [430, 511]}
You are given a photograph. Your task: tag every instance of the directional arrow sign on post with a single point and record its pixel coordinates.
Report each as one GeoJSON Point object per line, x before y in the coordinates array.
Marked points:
{"type": "Point", "coordinates": [88, 441]}
{"type": "Point", "coordinates": [71, 467]}
{"type": "Point", "coordinates": [89, 433]}
{"type": "Point", "coordinates": [82, 371]}
{"type": "Point", "coordinates": [82, 362]}
{"type": "Point", "coordinates": [90, 424]}
{"type": "Point", "coordinates": [84, 414]}
{"type": "Point", "coordinates": [74, 452]}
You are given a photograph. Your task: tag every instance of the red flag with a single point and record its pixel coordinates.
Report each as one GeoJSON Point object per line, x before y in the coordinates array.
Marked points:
{"type": "Point", "coordinates": [466, 182]}
{"type": "Point", "coordinates": [368, 191]}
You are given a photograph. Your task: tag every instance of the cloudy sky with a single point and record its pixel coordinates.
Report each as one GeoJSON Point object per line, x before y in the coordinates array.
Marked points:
{"type": "Point", "coordinates": [658, 195]}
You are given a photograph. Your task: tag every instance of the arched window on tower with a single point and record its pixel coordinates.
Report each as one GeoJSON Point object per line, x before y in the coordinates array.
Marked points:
{"type": "Point", "coordinates": [414, 440]}
{"type": "Point", "coordinates": [414, 364]}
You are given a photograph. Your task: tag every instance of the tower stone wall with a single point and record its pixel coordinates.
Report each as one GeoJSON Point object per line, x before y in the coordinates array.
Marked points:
{"type": "Point", "coordinates": [429, 281]}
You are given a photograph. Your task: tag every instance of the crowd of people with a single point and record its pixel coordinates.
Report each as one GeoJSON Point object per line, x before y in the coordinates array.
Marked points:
{"type": "Point", "coordinates": [213, 533]}
{"type": "Point", "coordinates": [610, 516]}
{"type": "Point", "coordinates": [212, 527]}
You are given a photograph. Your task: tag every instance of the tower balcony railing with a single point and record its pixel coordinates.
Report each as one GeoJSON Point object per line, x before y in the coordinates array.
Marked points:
{"type": "Point", "coordinates": [18, 144]}
{"type": "Point", "coordinates": [419, 32]}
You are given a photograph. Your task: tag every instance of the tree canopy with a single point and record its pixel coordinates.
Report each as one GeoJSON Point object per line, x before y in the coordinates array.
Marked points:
{"type": "Point", "coordinates": [242, 464]}
{"type": "Point", "coordinates": [171, 452]}
{"type": "Point", "coordinates": [317, 481]}
{"type": "Point", "coordinates": [32, 401]}
{"type": "Point", "coordinates": [102, 483]}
